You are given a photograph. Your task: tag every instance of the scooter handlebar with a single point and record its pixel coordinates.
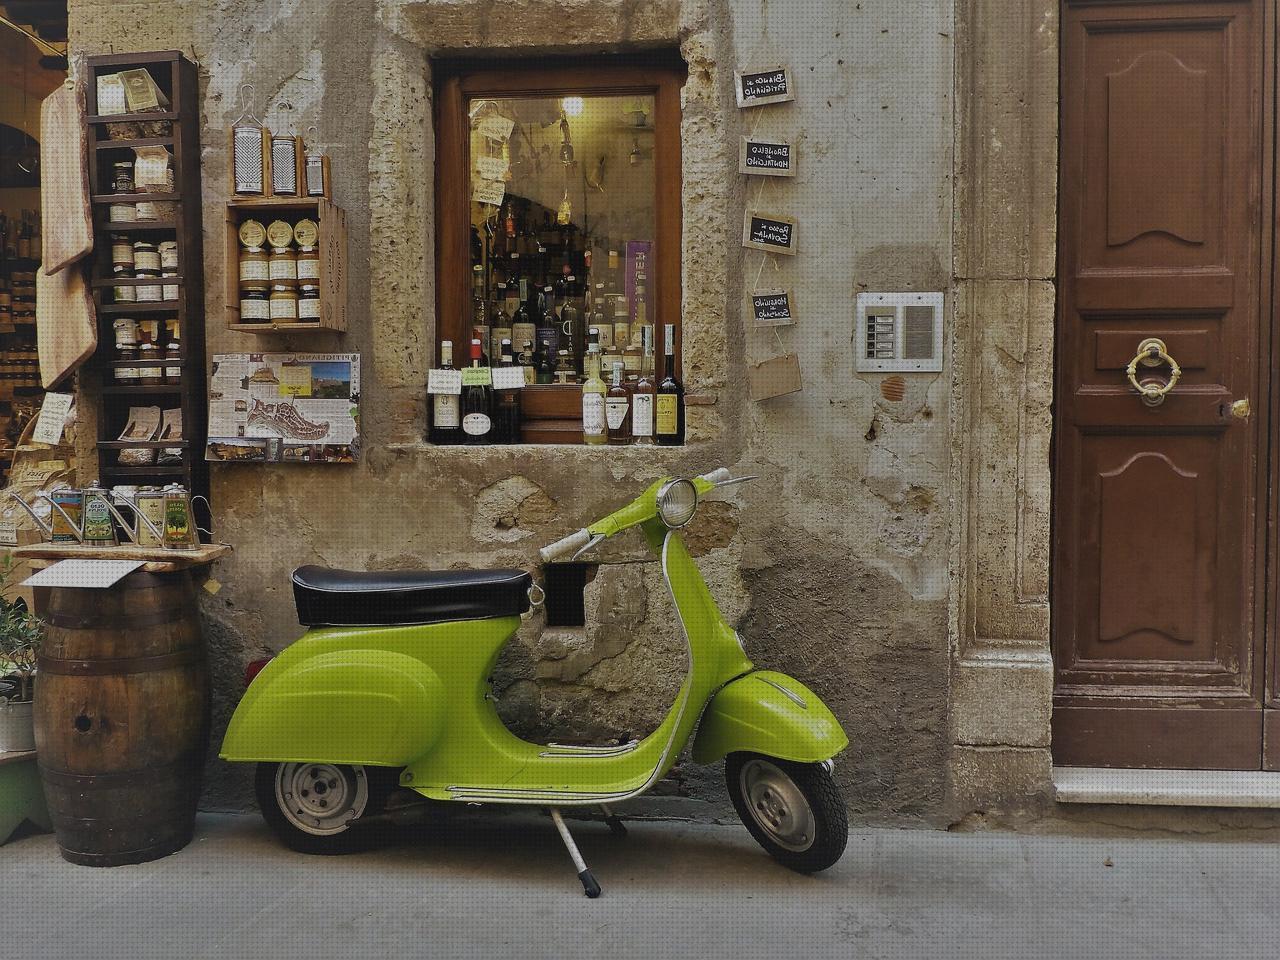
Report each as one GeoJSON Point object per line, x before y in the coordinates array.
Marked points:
{"type": "Point", "coordinates": [717, 476]}
{"type": "Point", "coordinates": [570, 544]}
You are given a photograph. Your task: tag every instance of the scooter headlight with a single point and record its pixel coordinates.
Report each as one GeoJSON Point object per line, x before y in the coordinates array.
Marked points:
{"type": "Point", "coordinates": [677, 503]}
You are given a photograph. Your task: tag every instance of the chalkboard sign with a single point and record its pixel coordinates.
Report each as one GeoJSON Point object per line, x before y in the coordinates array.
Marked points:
{"type": "Point", "coordinates": [768, 158]}
{"type": "Point", "coordinates": [773, 308]}
{"type": "Point", "coordinates": [769, 232]}
{"type": "Point", "coordinates": [758, 87]}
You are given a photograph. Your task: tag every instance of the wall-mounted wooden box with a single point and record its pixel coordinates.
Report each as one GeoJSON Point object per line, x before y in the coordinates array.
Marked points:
{"type": "Point", "coordinates": [331, 246]}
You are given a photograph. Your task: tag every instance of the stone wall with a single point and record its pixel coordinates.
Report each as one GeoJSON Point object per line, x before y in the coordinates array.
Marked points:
{"type": "Point", "coordinates": [835, 563]}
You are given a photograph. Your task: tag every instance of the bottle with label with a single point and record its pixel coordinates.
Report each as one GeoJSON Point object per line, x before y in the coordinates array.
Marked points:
{"type": "Point", "coordinates": [594, 427]}
{"type": "Point", "coordinates": [446, 418]}
{"type": "Point", "coordinates": [477, 424]}
{"type": "Point", "coordinates": [669, 402]}
{"type": "Point", "coordinates": [617, 409]}
{"type": "Point", "coordinates": [506, 404]}
{"type": "Point", "coordinates": [644, 393]}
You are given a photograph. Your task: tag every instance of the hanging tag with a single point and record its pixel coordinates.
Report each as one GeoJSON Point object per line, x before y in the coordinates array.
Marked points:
{"type": "Point", "coordinates": [491, 168]}
{"type": "Point", "coordinates": [52, 418]}
{"type": "Point", "coordinates": [775, 377]}
{"type": "Point", "coordinates": [772, 308]}
{"type": "Point", "coordinates": [496, 127]}
{"type": "Point", "coordinates": [508, 378]}
{"type": "Point", "coordinates": [476, 377]}
{"type": "Point", "coordinates": [444, 382]}
{"type": "Point", "coordinates": [489, 191]}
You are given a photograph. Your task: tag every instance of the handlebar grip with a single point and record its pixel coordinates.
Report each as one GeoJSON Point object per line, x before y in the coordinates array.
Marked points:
{"type": "Point", "coordinates": [717, 476]}
{"type": "Point", "coordinates": [573, 542]}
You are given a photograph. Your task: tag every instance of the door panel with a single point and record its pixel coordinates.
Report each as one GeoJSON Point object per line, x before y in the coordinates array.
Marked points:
{"type": "Point", "coordinates": [1155, 539]}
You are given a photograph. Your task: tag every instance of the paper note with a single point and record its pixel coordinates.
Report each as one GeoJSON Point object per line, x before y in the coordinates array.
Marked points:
{"type": "Point", "coordinates": [476, 377]}
{"type": "Point", "coordinates": [444, 381]}
{"type": "Point", "coordinates": [9, 534]}
{"type": "Point", "coordinates": [295, 381]}
{"type": "Point", "coordinates": [496, 127]}
{"type": "Point", "coordinates": [508, 378]}
{"type": "Point", "coordinates": [489, 191]}
{"type": "Point", "coordinates": [92, 574]}
{"type": "Point", "coordinates": [491, 168]}
{"type": "Point", "coordinates": [53, 415]}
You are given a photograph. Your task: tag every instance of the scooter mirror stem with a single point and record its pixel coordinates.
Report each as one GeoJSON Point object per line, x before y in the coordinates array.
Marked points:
{"type": "Point", "coordinates": [734, 482]}
{"type": "Point", "coordinates": [591, 544]}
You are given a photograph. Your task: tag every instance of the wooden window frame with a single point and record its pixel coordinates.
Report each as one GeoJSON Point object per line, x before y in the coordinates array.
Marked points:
{"type": "Point", "coordinates": [659, 74]}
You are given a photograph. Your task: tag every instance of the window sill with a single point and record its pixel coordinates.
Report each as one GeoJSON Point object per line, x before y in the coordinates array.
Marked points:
{"type": "Point", "coordinates": [560, 452]}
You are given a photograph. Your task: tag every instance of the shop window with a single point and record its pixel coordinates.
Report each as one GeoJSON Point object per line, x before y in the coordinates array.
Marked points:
{"type": "Point", "coordinates": [558, 213]}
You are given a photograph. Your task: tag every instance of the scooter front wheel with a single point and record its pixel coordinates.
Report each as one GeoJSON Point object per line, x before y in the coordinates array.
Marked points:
{"type": "Point", "coordinates": [794, 810]}
{"type": "Point", "coordinates": [312, 807]}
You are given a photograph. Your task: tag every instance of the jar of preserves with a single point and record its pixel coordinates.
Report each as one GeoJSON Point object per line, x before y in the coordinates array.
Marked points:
{"type": "Point", "coordinates": [121, 251]}
{"type": "Point", "coordinates": [126, 353]}
{"type": "Point", "coordinates": [283, 267]}
{"type": "Point", "coordinates": [146, 256]}
{"type": "Point", "coordinates": [254, 306]}
{"type": "Point", "coordinates": [168, 254]}
{"type": "Point", "coordinates": [150, 374]}
{"type": "Point", "coordinates": [122, 176]}
{"type": "Point", "coordinates": [124, 292]}
{"type": "Point", "coordinates": [255, 273]}
{"type": "Point", "coordinates": [148, 292]}
{"type": "Point", "coordinates": [284, 303]}
{"type": "Point", "coordinates": [122, 213]}
{"type": "Point", "coordinates": [308, 264]}
{"type": "Point", "coordinates": [173, 354]}
{"type": "Point", "coordinates": [308, 301]}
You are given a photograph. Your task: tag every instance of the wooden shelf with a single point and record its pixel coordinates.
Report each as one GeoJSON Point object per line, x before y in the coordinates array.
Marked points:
{"type": "Point", "coordinates": [158, 559]}
{"type": "Point", "coordinates": [151, 306]}
{"type": "Point", "coordinates": [148, 470]}
{"type": "Point", "coordinates": [141, 389]}
{"type": "Point", "coordinates": [132, 117]}
{"type": "Point", "coordinates": [136, 226]}
{"type": "Point", "coordinates": [277, 203]}
{"type": "Point", "coordinates": [143, 445]}
{"type": "Point", "coordinates": [106, 282]}
{"type": "Point", "coordinates": [131, 144]}
{"type": "Point", "coordinates": [110, 198]}
{"type": "Point", "coordinates": [308, 326]}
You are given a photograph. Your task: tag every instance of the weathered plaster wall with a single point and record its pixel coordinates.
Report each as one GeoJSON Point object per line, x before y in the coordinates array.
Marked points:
{"type": "Point", "coordinates": [835, 563]}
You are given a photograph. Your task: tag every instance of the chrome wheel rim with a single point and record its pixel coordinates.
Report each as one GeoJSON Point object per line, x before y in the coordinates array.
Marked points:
{"type": "Point", "coordinates": [778, 806]}
{"type": "Point", "coordinates": [321, 799]}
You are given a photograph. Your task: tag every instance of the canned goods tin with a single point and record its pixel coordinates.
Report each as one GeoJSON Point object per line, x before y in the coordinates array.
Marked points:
{"type": "Point", "coordinates": [252, 234]}
{"type": "Point", "coordinates": [122, 212]}
{"type": "Point", "coordinates": [125, 293]}
{"type": "Point", "coordinates": [179, 527]}
{"type": "Point", "coordinates": [280, 234]}
{"type": "Point", "coordinates": [170, 289]}
{"type": "Point", "coordinates": [72, 503]}
{"type": "Point", "coordinates": [150, 504]}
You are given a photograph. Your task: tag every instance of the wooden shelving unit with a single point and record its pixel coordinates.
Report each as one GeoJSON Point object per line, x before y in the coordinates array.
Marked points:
{"type": "Point", "coordinates": [176, 76]}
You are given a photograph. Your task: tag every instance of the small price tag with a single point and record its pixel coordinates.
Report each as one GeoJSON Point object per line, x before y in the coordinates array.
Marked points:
{"type": "Point", "coordinates": [489, 191]}
{"type": "Point", "coordinates": [53, 415]}
{"type": "Point", "coordinates": [444, 381]}
{"type": "Point", "coordinates": [491, 168]}
{"type": "Point", "coordinates": [9, 534]}
{"type": "Point", "coordinates": [496, 127]}
{"type": "Point", "coordinates": [477, 377]}
{"type": "Point", "coordinates": [508, 378]}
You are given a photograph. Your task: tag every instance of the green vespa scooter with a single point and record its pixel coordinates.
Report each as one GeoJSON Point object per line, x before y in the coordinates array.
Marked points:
{"type": "Point", "coordinates": [389, 688]}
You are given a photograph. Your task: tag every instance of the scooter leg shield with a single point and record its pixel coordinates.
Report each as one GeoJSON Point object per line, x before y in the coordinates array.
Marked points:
{"type": "Point", "coordinates": [350, 706]}
{"type": "Point", "coordinates": [771, 714]}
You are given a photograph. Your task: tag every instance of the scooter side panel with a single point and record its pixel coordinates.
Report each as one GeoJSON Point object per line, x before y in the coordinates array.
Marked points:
{"type": "Point", "coordinates": [357, 706]}
{"type": "Point", "coordinates": [771, 714]}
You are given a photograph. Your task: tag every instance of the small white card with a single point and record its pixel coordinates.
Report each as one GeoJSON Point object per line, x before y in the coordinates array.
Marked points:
{"type": "Point", "coordinates": [444, 381]}
{"type": "Point", "coordinates": [92, 574]}
{"type": "Point", "coordinates": [508, 378]}
{"type": "Point", "coordinates": [496, 127]}
{"type": "Point", "coordinates": [491, 168]}
{"type": "Point", "coordinates": [489, 191]}
{"type": "Point", "coordinates": [53, 416]}
{"type": "Point", "coordinates": [9, 534]}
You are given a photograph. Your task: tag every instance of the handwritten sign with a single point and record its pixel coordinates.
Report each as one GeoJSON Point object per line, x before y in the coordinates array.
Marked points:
{"type": "Point", "coordinates": [509, 378]}
{"type": "Point", "coordinates": [444, 381]}
{"type": "Point", "coordinates": [775, 377]}
{"type": "Point", "coordinates": [767, 158]}
{"type": "Point", "coordinates": [496, 127]}
{"type": "Point", "coordinates": [759, 87]}
{"type": "Point", "coordinates": [489, 191]}
{"type": "Point", "coordinates": [773, 308]}
{"type": "Point", "coordinates": [53, 415]}
{"type": "Point", "coordinates": [491, 168]}
{"type": "Point", "coordinates": [476, 377]}
{"type": "Point", "coordinates": [769, 232]}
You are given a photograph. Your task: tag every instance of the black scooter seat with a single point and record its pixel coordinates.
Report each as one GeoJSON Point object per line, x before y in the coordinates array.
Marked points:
{"type": "Point", "coordinates": [345, 598]}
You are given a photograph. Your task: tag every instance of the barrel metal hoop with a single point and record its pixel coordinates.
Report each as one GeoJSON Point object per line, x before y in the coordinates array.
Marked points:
{"type": "Point", "coordinates": [124, 665]}
{"type": "Point", "coordinates": [128, 622]}
{"type": "Point", "coordinates": [189, 762]}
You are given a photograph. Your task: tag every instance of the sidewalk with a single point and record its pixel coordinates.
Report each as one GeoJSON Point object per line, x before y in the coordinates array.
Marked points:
{"type": "Point", "coordinates": [501, 886]}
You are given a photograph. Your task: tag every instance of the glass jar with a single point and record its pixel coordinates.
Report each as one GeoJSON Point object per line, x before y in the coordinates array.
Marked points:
{"type": "Point", "coordinates": [168, 255]}
{"type": "Point", "coordinates": [308, 264]}
{"type": "Point", "coordinates": [121, 251]}
{"type": "Point", "coordinates": [149, 375]}
{"type": "Point", "coordinates": [148, 292]}
{"type": "Point", "coordinates": [254, 306]}
{"type": "Point", "coordinates": [284, 303]}
{"type": "Point", "coordinates": [308, 301]}
{"type": "Point", "coordinates": [122, 176]}
{"type": "Point", "coordinates": [283, 267]}
{"type": "Point", "coordinates": [146, 256]}
{"type": "Point", "coordinates": [124, 292]}
{"type": "Point", "coordinates": [126, 352]}
{"type": "Point", "coordinates": [122, 213]}
{"type": "Point", "coordinates": [254, 270]}
{"type": "Point", "coordinates": [173, 369]}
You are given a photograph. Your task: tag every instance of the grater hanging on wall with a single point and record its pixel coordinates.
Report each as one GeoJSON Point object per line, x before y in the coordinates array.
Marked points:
{"type": "Point", "coordinates": [249, 155]}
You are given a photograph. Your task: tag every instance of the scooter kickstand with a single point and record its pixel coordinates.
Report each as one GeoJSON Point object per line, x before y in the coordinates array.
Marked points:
{"type": "Point", "coordinates": [589, 884]}
{"type": "Point", "coordinates": [616, 826]}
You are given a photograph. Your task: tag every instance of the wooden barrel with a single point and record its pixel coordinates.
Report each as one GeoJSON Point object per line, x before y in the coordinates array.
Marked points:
{"type": "Point", "coordinates": [122, 717]}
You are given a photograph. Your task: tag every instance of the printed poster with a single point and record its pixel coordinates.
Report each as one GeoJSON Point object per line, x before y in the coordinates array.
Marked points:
{"type": "Point", "coordinates": [284, 408]}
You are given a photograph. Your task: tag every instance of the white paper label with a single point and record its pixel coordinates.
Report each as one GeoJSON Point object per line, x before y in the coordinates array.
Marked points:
{"type": "Point", "coordinates": [255, 310]}
{"type": "Point", "coordinates": [52, 417]}
{"type": "Point", "coordinates": [254, 270]}
{"type": "Point", "coordinates": [309, 308]}
{"type": "Point", "coordinates": [308, 268]}
{"type": "Point", "coordinates": [489, 191]}
{"type": "Point", "coordinates": [282, 268]}
{"type": "Point", "coordinates": [491, 168]}
{"type": "Point", "coordinates": [446, 410]}
{"type": "Point", "coordinates": [615, 410]}
{"type": "Point", "coordinates": [496, 127]}
{"type": "Point", "coordinates": [283, 308]}
{"type": "Point", "coordinates": [476, 424]}
{"type": "Point", "coordinates": [642, 415]}
{"type": "Point", "coordinates": [9, 534]}
{"type": "Point", "coordinates": [592, 414]}
{"type": "Point", "coordinates": [444, 382]}
{"type": "Point", "coordinates": [508, 378]}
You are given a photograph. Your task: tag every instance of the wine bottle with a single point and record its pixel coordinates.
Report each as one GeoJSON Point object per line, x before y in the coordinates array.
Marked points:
{"type": "Point", "coordinates": [617, 409]}
{"type": "Point", "coordinates": [477, 423]}
{"type": "Point", "coordinates": [594, 427]}
{"type": "Point", "coordinates": [506, 405]}
{"type": "Point", "coordinates": [446, 420]}
{"type": "Point", "coordinates": [645, 391]}
{"type": "Point", "coordinates": [669, 403]}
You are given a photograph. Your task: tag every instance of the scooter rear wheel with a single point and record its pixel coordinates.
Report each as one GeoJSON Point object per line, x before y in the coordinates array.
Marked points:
{"type": "Point", "coordinates": [794, 810]}
{"type": "Point", "coordinates": [313, 807]}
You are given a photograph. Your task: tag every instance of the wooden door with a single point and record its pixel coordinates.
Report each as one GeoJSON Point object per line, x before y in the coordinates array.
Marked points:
{"type": "Point", "coordinates": [1158, 570]}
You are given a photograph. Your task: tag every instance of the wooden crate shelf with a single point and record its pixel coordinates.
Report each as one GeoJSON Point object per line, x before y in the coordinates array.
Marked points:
{"type": "Point", "coordinates": [177, 77]}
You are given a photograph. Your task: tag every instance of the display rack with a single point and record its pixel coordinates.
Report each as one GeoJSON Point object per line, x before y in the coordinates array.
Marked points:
{"type": "Point", "coordinates": [177, 78]}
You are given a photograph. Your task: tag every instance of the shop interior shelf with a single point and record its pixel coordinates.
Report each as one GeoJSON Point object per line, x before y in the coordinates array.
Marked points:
{"type": "Point", "coordinates": [104, 282]}
{"type": "Point", "coordinates": [137, 225]}
{"type": "Point", "coordinates": [146, 363]}
{"type": "Point", "coordinates": [108, 198]}
{"type": "Point", "coordinates": [307, 326]}
{"type": "Point", "coordinates": [149, 470]}
{"type": "Point", "coordinates": [131, 117]}
{"type": "Point", "coordinates": [128, 309]}
{"type": "Point", "coordinates": [142, 444]}
{"type": "Point", "coordinates": [277, 203]}
{"type": "Point", "coordinates": [142, 388]}
{"type": "Point", "coordinates": [130, 144]}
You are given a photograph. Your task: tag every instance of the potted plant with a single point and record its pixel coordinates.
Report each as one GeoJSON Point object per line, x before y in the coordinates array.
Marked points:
{"type": "Point", "coordinates": [20, 637]}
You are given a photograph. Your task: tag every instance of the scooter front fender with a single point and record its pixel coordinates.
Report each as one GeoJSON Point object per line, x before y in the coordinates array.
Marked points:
{"type": "Point", "coordinates": [349, 706]}
{"type": "Point", "coordinates": [771, 714]}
